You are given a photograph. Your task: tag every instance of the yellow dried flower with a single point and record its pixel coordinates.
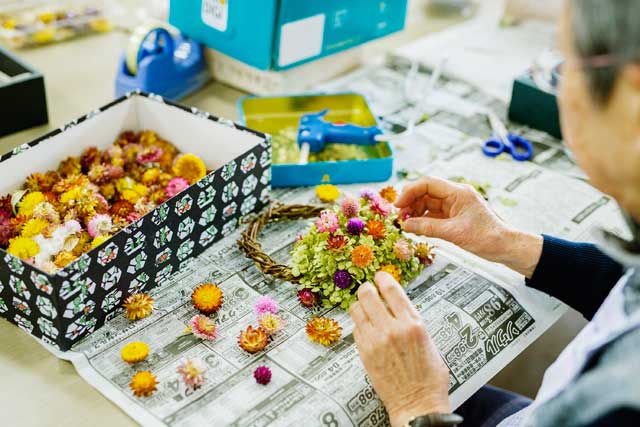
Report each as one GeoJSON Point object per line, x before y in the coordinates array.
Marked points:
{"type": "Point", "coordinates": [134, 352]}
{"type": "Point", "coordinates": [323, 330]}
{"type": "Point", "coordinates": [393, 271]}
{"type": "Point", "coordinates": [28, 203]}
{"type": "Point", "coordinates": [190, 167]}
{"type": "Point", "coordinates": [63, 259]}
{"type": "Point", "coordinates": [70, 166]}
{"type": "Point", "coordinates": [34, 226]}
{"type": "Point", "coordinates": [151, 176]}
{"type": "Point", "coordinates": [148, 137]}
{"type": "Point", "coordinates": [207, 298]}
{"type": "Point", "coordinates": [143, 384]}
{"type": "Point", "coordinates": [138, 306]}
{"type": "Point", "coordinates": [99, 240]}
{"type": "Point", "coordinates": [23, 247]}
{"type": "Point", "coordinates": [108, 191]}
{"type": "Point", "coordinates": [327, 193]}
{"type": "Point", "coordinates": [389, 194]}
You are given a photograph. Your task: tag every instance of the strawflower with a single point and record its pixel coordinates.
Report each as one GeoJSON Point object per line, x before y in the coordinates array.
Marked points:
{"type": "Point", "coordinates": [389, 194]}
{"type": "Point", "coordinates": [134, 352]}
{"type": "Point", "coordinates": [176, 186]}
{"type": "Point", "coordinates": [192, 373]}
{"type": "Point", "coordinates": [23, 247]}
{"type": "Point", "coordinates": [425, 253]}
{"type": "Point", "coordinates": [336, 242]}
{"type": "Point", "coordinates": [328, 222]}
{"type": "Point", "coordinates": [253, 340]}
{"type": "Point", "coordinates": [149, 155]}
{"type": "Point", "coordinates": [403, 250]}
{"type": "Point", "coordinates": [64, 258]}
{"type": "Point", "coordinates": [143, 384]}
{"type": "Point", "coordinates": [393, 271]}
{"type": "Point", "coordinates": [327, 193]}
{"type": "Point", "coordinates": [203, 327]}
{"type": "Point", "coordinates": [7, 232]}
{"type": "Point", "coordinates": [34, 227]}
{"type": "Point", "coordinates": [264, 305]}
{"type": "Point", "coordinates": [100, 225]}
{"type": "Point", "coordinates": [28, 203]}
{"type": "Point", "coordinates": [362, 256]}
{"type": "Point", "coordinates": [376, 229]}
{"type": "Point", "coordinates": [122, 208]}
{"type": "Point", "coordinates": [99, 240]}
{"type": "Point", "coordinates": [207, 298]}
{"type": "Point", "coordinates": [138, 306]}
{"type": "Point", "coordinates": [272, 323]}
{"type": "Point", "coordinates": [323, 330]}
{"type": "Point", "coordinates": [190, 167]}
{"type": "Point", "coordinates": [381, 207]}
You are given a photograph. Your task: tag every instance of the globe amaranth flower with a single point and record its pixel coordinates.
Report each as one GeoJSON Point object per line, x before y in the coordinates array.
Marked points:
{"type": "Point", "coordinates": [403, 250]}
{"type": "Point", "coordinates": [262, 374]}
{"type": "Point", "coordinates": [308, 298]}
{"type": "Point", "coordinates": [355, 226]}
{"type": "Point", "coordinates": [327, 223]}
{"type": "Point", "coordinates": [350, 207]}
{"type": "Point", "coordinates": [369, 194]}
{"type": "Point", "coordinates": [342, 279]}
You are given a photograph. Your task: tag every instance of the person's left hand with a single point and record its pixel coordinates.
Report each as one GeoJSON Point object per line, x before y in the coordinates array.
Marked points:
{"type": "Point", "coordinates": [403, 364]}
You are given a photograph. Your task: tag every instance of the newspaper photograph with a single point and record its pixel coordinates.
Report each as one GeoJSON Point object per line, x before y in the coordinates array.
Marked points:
{"type": "Point", "coordinates": [480, 315]}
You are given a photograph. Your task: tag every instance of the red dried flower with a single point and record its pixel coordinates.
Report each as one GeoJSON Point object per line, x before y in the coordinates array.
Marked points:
{"type": "Point", "coordinates": [5, 205]}
{"type": "Point", "coordinates": [7, 232]}
{"type": "Point", "coordinates": [336, 242]}
{"type": "Point", "coordinates": [308, 298]}
{"type": "Point", "coordinates": [90, 157]}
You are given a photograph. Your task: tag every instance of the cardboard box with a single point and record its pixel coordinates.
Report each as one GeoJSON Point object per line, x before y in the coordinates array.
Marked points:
{"type": "Point", "coordinates": [534, 107]}
{"type": "Point", "coordinates": [280, 34]}
{"type": "Point", "coordinates": [62, 308]}
{"type": "Point", "coordinates": [24, 102]}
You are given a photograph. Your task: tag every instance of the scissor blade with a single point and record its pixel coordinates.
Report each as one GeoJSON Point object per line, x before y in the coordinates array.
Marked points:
{"type": "Point", "coordinates": [304, 154]}
{"type": "Point", "coordinates": [499, 128]}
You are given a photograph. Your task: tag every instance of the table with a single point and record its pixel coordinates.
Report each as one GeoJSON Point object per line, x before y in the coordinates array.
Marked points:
{"type": "Point", "coordinates": [79, 75]}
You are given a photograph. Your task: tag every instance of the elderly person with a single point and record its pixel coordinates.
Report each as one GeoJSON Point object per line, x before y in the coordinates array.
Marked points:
{"type": "Point", "coordinates": [596, 380]}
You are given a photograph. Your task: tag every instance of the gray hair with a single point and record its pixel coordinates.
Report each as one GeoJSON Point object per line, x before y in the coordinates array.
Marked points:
{"type": "Point", "coordinates": [603, 27]}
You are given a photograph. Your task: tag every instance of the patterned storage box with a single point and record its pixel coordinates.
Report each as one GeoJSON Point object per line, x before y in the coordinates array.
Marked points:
{"type": "Point", "coordinates": [62, 308]}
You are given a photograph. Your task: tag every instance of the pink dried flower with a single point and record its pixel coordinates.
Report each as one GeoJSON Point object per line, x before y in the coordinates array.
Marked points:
{"type": "Point", "coordinates": [102, 202]}
{"type": "Point", "coordinates": [192, 373]}
{"type": "Point", "coordinates": [133, 217]}
{"type": "Point", "coordinates": [350, 207]}
{"type": "Point", "coordinates": [262, 374]}
{"type": "Point", "coordinates": [203, 327]}
{"type": "Point", "coordinates": [403, 250]}
{"type": "Point", "coordinates": [149, 155]}
{"type": "Point", "coordinates": [115, 172]}
{"type": "Point", "coordinates": [380, 206]}
{"type": "Point", "coordinates": [99, 225]}
{"type": "Point", "coordinates": [327, 223]}
{"type": "Point", "coordinates": [369, 194]}
{"type": "Point", "coordinates": [265, 305]}
{"type": "Point", "coordinates": [7, 232]}
{"type": "Point", "coordinates": [176, 186]}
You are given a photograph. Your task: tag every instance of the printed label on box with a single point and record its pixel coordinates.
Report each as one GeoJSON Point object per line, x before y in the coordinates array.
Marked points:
{"type": "Point", "coordinates": [215, 13]}
{"type": "Point", "coordinates": [301, 39]}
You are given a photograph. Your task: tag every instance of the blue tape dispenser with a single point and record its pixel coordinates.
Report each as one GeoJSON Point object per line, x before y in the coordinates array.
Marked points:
{"type": "Point", "coordinates": [314, 132]}
{"type": "Point", "coordinates": [160, 62]}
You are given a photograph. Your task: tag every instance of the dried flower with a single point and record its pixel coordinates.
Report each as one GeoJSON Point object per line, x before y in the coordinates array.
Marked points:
{"type": "Point", "coordinates": [369, 194]}
{"type": "Point", "coordinates": [143, 384]}
{"type": "Point", "coordinates": [355, 226]}
{"type": "Point", "coordinates": [99, 174]}
{"type": "Point", "coordinates": [327, 193]}
{"type": "Point", "coordinates": [100, 225]}
{"type": "Point", "coordinates": [5, 206]}
{"type": "Point", "coordinates": [308, 298]}
{"type": "Point", "coordinates": [7, 232]}
{"type": "Point", "coordinates": [64, 258]}
{"type": "Point", "coordinates": [262, 374]}
{"type": "Point", "coordinates": [336, 242]}
{"type": "Point", "coordinates": [425, 253]}
{"type": "Point", "coordinates": [192, 373]}
{"type": "Point", "coordinates": [122, 208]}
{"type": "Point", "coordinates": [176, 186]}
{"type": "Point", "coordinates": [36, 182]}
{"type": "Point", "coordinates": [350, 207]}
{"type": "Point", "coordinates": [151, 176]}
{"type": "Point", "coordinates": [134, 352]}
{"type": "Point", "coordinates": [253, 340]}
{"type": "Point", "coordinates": [389, 194]}
{"type": "Point", "coordinates": [207, 298]}
{"type": "Point", "coordinates": [327, 223]}
{"type": "Point", "coordinates": [28, 203]}
{"type": "Point", "coordinates": [380, 206]}
{"type": "Point", "coordinates": [90, 157]}
{"type": "Point", "coordinates": [392, 270]}
{"type": "Point", "coordinates": [190, 167]}
{"type": "Point", "coordinates": [376, 229]}
{"type": "Point", "coordinates": [70, 182]}
{"type": "Point", "coordinates": [323, 330]}
{"type": "Point", "coordinates": [403, 250]}
{"type": "Point", "coordinates": [138, 306]}
{"type": "Point", "coordinates": [362, 256]}
{"type": "Point", "coordinates": [265, 304]}
{"type": "Point", "coordinates": [272, 323]}
{"type": "Point", "coordinates": [33, 227]}
{"type": "Point", "coordinates": [70, 166]}
{"type": "Point", "coordinates": [149, 155]}
{"type": "Point", "coordinates": [203, 327]}
{"type": "Point", "coordinates": [46, 211]}
{"type": "Point", "coordinates": [99, 240]}
{"type": "Point", "coordinates": [342, 279]}
{"type": "Point", "coordinates": [23, 247]}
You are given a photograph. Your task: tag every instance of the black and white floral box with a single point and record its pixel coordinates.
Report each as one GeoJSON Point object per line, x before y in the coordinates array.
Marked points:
{"type": "Point", "coordinates": [60, 309]}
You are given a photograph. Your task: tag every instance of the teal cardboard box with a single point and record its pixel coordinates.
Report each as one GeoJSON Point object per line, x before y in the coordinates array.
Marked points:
{"type": "Point", "coordinates": [280, 34]}
{"type": "Point", "coordinates": [534, 107]}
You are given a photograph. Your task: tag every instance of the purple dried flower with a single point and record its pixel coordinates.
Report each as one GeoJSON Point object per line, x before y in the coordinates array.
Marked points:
{"type": "Point", "coordinates": [262, 374]}
{"type": "Point", "coordinates": [342, 279]}
{"type": "Point", "coordinates": [368, 194]}
{"type": "Point", "coordinates": [355, 226]}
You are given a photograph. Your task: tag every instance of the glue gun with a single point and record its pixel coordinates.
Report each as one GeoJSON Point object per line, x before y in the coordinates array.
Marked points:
{"type": "Point", "coordinates": [314, 132]}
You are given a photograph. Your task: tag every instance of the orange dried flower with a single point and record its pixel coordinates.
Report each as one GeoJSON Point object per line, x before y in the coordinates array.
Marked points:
{"type": "Point", "coordinates": [324, 330]}
{"type": "Point", "coordinates": [143, 384]}
{"type": "Point", "coordinates": [362, 256]}
{"type": "Point", "coordinates": [392, 270]}
{"type": "Point", "coordinates": [207, 298]}
{"type": "Point", "coordinates": [70, 166]}
{"type": "Point", "coordinates": [35, 182]}
{"type": "Point", "coordinates": [70, 182]}
{"type": "Point", "coordinates": [389, 194]}
{"type": "Point", "coordinates": [253, 340]}
{"type": "Point", "coordinates": [376, 229]}
{"type": "Point", "coordinates": [122, 208]}
{"type": "Point", "coordinates": [138, 306]}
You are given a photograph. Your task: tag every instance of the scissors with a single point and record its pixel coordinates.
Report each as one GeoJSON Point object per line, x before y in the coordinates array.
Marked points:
{"type": "Point", "coordinates": [503, 142]}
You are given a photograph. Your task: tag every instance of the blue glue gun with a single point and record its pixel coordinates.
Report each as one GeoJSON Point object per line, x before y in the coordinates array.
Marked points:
{"type": "Point", "coordinates": [315, 132]}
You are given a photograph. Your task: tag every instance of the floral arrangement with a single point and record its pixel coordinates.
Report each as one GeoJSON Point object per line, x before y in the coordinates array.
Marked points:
{"type": "Point", "coordinates": [348, 244]}
{"type": "Point", "coordinates": [63, 213]}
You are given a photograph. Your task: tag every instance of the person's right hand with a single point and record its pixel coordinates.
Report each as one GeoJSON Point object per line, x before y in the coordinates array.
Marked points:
{"type": "Point", "coordinates": [458, 213]}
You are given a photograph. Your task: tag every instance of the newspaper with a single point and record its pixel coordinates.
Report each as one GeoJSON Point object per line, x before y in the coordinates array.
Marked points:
{"type": "Point", "coordinates": [479, 314]}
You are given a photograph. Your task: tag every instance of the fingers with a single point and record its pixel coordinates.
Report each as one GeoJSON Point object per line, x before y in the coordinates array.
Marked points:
{"type": "Point", "coordinates": [373, 306]}
{"type": "Point", "coordinates": [395, 297]}
{"type": "Point", "coordinates": [429, 227]}
{"type": "Point", "coordinates": [433, 187]}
